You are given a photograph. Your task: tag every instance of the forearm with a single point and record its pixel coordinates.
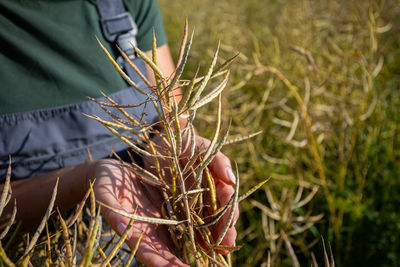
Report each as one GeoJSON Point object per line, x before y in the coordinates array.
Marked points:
{"type": "Point", "coordinates": [33, 194]}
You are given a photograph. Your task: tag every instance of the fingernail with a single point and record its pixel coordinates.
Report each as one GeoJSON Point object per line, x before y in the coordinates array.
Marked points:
{"type": "Point", "coordinates": [121, 228]}
{"type": "Point", "coordinates": [230, 174]}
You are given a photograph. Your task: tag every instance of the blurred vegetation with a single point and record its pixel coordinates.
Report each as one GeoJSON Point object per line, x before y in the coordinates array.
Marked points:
{"type": "Point", "coordinates": [322, 80]}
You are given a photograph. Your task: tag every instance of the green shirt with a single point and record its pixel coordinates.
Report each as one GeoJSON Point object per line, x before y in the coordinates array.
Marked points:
{"type": "Point", "coordinates": [49, 54]}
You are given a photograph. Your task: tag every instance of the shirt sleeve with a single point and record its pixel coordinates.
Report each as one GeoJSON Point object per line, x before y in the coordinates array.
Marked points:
{"type": "Point", "coordinates": [147, 16]}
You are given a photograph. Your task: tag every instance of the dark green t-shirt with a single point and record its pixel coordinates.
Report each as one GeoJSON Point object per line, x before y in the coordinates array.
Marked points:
{"type": "Point", "coordinates": [49, 55]}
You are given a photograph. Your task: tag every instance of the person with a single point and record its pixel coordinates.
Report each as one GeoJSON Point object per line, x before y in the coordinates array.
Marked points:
{"type": "Point", "coordinates": [50, 61]}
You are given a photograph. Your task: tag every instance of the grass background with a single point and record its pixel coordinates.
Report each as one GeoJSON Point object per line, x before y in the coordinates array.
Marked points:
{"type": "Point", "coordinates": [348, 77]}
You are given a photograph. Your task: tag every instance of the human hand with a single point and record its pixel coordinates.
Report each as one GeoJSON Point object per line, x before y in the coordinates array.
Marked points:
{"type": "Point", "coordinates": [118, 187]}
{"type": "Point", "coordinates": [221, 170]}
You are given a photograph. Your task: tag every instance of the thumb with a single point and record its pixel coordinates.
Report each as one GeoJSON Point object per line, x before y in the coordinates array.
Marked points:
{"type": "Point", "coordinates": [115, 220]}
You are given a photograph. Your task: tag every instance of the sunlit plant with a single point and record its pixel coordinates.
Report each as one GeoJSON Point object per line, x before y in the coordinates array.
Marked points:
{"type": "Point", "coordinates": [174, 166]}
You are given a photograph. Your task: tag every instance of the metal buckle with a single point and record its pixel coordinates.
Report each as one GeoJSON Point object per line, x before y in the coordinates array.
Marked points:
{"type": "Point", "coordinates": [114, 26]}
{"type": "Point", "coordinates": [126, 42]}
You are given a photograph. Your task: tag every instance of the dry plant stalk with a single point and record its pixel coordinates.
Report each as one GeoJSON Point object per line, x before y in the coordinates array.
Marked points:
{"type": "Point", "coordinates": [179, 169]}
{"type": "Point", "coordinates": [190, 202]}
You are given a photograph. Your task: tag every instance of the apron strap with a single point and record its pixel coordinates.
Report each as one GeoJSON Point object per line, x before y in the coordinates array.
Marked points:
{"type": "Point", "coordinates": [118, 26]}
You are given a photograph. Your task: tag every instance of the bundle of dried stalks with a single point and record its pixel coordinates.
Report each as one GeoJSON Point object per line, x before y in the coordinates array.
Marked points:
{"type": "Point", "coordinates": [175, 166]}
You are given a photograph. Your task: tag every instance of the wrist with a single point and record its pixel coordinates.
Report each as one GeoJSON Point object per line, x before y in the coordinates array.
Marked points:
{"type": "Point", "coordinates": [88, 177]}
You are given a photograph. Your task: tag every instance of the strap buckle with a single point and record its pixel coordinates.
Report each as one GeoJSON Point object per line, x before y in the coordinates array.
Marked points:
{"type": "Point", "coordinates": [116, 25]}
{"type": "Point", "coordinates": [126, 42]}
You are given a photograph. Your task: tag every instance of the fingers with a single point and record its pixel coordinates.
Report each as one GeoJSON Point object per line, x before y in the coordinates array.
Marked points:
{"type": "Point", "coordinates": [229, 240]}
{"type": "Point", "coordinates": [224, 193]}
{"type": "Point", "coordinates": [121, 189]}
{"type": "Point", "coordinates": [115, 220]}
{"type": "Point", "coordinates": [153, 253]}
{"type": "Point", "coordinates": [153, 249]}
{"type": "Point", "coordinates": [220, 166]}
{"type": "Point", "coordinates": [221, 169]}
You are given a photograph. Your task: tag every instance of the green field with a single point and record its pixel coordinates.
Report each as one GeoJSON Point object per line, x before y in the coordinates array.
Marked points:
{"type": "Point", "coordinates": [322, 80]}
